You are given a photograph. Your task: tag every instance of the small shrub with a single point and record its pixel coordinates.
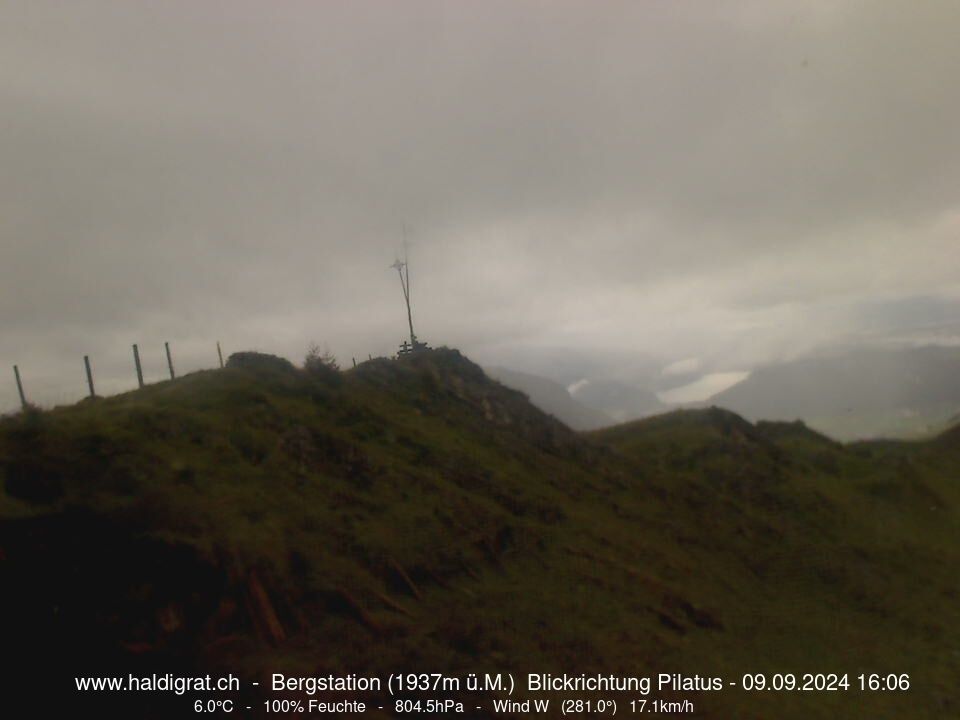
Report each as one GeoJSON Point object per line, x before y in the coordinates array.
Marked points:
{"type": "Point", "coordinates": [321, 364]}
{"type": "Point", "coordinates": [320, 360]}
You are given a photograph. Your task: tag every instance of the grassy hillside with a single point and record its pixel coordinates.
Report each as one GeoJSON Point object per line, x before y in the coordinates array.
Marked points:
{"type": "Point", "coordinates": [415, 515]}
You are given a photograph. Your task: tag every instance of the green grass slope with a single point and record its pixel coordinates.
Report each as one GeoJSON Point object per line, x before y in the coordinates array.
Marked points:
{"type": "Point", "coordinates": [415, 515]}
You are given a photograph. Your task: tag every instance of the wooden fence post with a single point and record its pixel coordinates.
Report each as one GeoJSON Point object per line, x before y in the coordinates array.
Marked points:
{"type": "Point", "coordinates": [136, 360]}
{"type": "Point", "coordinates": [169, 359]}
{"type": "Point", "coordinates": [23, 398]}
{"type": "Point", "coordinates": [86, 362]}
{"type": "Point", "coordinates": [220, 354]}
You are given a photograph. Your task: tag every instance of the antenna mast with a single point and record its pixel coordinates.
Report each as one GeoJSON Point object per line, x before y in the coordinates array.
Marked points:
{"type": "Point", "coordinates": [403, 270]}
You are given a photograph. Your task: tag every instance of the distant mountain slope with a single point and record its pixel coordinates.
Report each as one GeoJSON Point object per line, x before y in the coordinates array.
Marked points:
{"type": "Point", "coordinates": [619, 400]}
{"type": "Point", "coordinates": [553, 398]}
{"type": "Point", "coordinates": [856, 394]}
{"type": "Point", "coordinates": [414, 515]}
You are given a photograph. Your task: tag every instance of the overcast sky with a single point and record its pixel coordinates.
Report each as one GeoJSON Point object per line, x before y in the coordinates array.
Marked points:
{"type": "Point", "coordinates": [702, 186]}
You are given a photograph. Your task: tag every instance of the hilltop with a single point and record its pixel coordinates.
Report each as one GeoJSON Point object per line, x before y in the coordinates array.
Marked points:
{"type": "Point", "coordinates": [414, 514]}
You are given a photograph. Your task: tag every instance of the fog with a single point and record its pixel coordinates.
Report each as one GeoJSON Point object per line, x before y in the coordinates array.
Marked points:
{"type": "Point", "coordinates": [626, 189]}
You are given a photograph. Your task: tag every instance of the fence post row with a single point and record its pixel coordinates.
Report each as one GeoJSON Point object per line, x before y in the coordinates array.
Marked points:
{"type": "Point", "coordinates": [136, 360]}
{"type": "Point", "coordinates": [169, 359]}
{"type": "Point", "coordinates": [23, 398]}
{"type": "Point", "coordinates": [86, 362]}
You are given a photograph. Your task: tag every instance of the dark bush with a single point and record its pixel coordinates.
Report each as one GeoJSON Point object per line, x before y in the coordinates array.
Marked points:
{"type": "Point", "coordinates": [259, 361]}
{"type": "Point", "coordinates": [321, 364]}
